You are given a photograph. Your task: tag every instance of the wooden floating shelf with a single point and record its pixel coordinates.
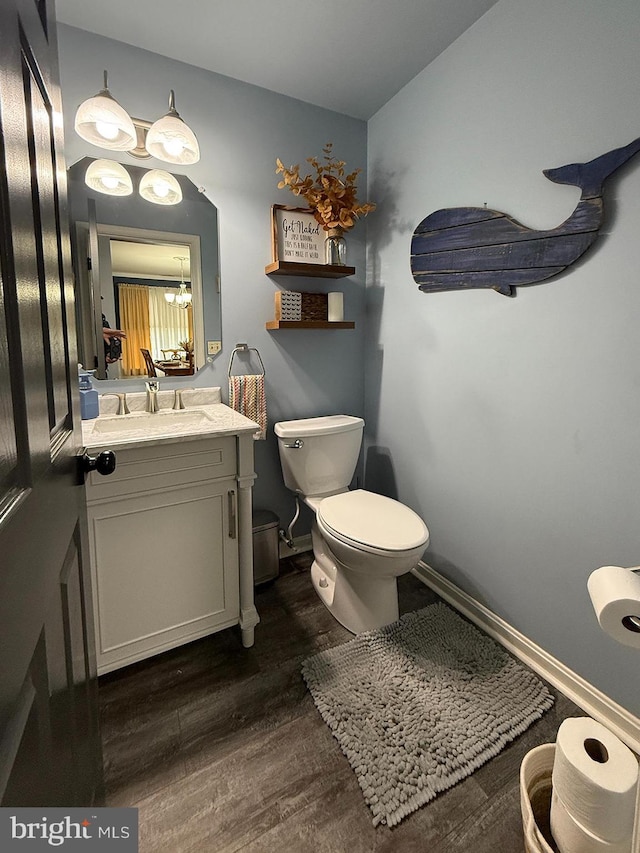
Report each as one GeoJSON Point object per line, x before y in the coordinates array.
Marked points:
{"type": "Point", "coordinates": [273, 325]}
{"type": "Point", "coordinates": [311, 270]}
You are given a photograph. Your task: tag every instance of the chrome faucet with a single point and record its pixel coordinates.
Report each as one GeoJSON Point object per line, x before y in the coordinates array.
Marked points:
{"type": "Point", "coordinates": [123, 409]}
{"type": "Point", "coordinates": [152, 395]}
{"type": "Point", "coordinates": [178, 402]}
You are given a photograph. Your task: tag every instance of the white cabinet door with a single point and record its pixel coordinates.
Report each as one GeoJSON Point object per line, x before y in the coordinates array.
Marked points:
{"type": "Point", "coordinates": [165, 569]}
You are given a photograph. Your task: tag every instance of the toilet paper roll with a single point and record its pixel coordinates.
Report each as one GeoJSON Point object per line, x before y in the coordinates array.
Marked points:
{"type": "Point", "coordinates": [615, 595]}
{"type": "Point", "coordinates": [595, 776]}
{"type": "Point", "coordinates": [571, 837]}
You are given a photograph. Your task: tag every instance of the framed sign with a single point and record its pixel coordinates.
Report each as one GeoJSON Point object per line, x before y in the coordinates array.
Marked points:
{"type": "Point", "coordinates": [296, 235]}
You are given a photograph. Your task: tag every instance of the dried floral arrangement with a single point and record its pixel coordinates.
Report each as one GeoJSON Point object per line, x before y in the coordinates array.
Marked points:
{"type": "Point", "coordinates": [331, 194]}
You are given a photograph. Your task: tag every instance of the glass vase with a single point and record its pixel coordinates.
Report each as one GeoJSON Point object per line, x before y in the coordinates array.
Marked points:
{"type": "Point", "coordinates": [335, 248]}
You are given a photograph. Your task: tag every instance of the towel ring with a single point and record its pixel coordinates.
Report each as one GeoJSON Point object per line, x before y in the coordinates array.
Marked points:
{"type": "Point", "coordinates": [245, 348]}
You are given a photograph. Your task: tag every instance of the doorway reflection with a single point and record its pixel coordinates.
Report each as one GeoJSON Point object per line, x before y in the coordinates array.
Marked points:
{"type": "Point", "coordinates": [153, 306]}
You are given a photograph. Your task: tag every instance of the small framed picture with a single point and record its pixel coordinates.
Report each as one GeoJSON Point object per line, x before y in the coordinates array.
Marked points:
{"type": "Point", "coordinates": [296, 235]}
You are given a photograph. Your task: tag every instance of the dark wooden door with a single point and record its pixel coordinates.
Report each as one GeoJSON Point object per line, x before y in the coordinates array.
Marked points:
{"type": "Point", "coordinates": [49, 738]}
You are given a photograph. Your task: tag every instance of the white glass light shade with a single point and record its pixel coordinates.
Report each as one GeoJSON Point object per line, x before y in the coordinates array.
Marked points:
{"type": "Point", "coordinates": [181, 299]}
{"type": "Point", "coordinates": [109, 177]}
{"type": "Point", "coordinates": [103, 122]}
{"type": "Point", "coordinates": [171, 140]}
{"type": "Point", "coordinates": [160, 187]}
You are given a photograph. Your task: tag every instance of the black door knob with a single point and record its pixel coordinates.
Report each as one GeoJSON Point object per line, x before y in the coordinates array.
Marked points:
{"type": "Point", "coordinates": [103, 463]}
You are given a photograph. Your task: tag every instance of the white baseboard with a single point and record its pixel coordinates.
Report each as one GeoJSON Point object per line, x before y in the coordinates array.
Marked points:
{"type": "Point", "coordinates": [599, 706]}
{"type": "Point", "coordinates": [300, 544]}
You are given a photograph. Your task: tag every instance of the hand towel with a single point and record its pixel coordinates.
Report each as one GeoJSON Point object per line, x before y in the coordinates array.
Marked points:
{"type": "Point", "coordinates": [246, 395]}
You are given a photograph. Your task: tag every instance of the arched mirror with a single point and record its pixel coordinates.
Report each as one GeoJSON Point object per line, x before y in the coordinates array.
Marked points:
{"type": "Point", "coordinates": [147, 269]}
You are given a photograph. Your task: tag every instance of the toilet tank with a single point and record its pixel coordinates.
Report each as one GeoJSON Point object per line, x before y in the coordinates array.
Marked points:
{"type": "Point", "coordinates": [319, 455]}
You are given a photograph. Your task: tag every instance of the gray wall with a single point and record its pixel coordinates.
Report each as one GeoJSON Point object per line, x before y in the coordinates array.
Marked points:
{"type": "Point", "coordinates": [512, 424]}
{"type": "Point", "coordinates": [241, 130]}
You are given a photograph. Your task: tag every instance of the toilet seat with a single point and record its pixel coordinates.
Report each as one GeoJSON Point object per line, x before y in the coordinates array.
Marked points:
{"type": "Point", "coordinates": [371, 522]}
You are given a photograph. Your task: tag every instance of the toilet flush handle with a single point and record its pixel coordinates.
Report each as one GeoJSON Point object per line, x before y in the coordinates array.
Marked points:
{"type": "Point", "coordinates": [297, 444]}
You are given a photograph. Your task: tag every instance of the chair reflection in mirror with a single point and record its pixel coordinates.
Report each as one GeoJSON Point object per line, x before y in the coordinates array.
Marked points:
{"type": "Point", "coordinates": [148, 360]}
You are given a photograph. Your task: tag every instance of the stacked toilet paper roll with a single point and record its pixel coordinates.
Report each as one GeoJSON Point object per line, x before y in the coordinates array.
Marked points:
{"type": "Point", "coordinates": [594, 778]}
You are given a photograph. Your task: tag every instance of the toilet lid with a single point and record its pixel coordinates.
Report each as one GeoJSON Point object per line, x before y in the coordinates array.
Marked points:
{"type": "Point", "coordinates": [372, 521]}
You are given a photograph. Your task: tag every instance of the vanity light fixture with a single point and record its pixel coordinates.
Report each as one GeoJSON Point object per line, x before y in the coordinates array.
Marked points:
{"type": "Point", "coordinates": [109, 177]}
{"type": "Point", "coordinates": [103, 122]}
{"type": "Point", "coordinates": [181, 299]}
{"type": "Point", "coordinates": [160, 187]}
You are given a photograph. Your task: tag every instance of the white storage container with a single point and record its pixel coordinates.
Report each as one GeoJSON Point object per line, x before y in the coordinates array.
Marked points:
{"type": "Point", "coordinates": [535, 798]}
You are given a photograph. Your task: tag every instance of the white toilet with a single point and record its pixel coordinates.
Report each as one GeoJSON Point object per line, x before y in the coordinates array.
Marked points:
{"type": "Point", "coordinates": [361, 541]}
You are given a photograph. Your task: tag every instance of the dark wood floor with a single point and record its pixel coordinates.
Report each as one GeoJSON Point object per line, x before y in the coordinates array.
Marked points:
{"type": "Point", "coordinates": [222, 749]}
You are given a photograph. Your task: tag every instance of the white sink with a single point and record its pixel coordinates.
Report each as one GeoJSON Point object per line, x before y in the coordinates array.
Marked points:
{"type": "Point", "coordinates": [151, 423]}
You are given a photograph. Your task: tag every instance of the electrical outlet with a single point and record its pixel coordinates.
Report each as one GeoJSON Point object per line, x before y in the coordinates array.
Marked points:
{"type": "Point", "coordinates": [213, 347]}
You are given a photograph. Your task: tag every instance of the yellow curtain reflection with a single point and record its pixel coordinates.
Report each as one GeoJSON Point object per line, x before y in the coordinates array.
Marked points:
{"type": "Point", "coordinates": [134, 319]}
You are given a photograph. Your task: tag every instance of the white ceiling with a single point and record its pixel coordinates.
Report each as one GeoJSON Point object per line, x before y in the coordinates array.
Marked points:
{"type": "Point", "coordinates": [351, 56]}
{"type": "Point", "coordinates": [149, 260]}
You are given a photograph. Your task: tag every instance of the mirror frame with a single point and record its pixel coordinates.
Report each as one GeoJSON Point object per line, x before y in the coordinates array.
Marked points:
{"type": "Point", "coordinates": [88, 306]}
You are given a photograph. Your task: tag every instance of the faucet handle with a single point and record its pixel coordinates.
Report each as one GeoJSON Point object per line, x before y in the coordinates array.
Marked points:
{"type": "Point", "coordinates": [123, 408]}
{"type": "Point", "coordinates": [178, 402]}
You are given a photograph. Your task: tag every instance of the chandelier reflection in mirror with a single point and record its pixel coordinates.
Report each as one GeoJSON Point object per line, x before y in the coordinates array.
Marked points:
{"type": "Point", "coordinates": [181, 299]}
{"type": "Point", "coordinates": [103, 122]}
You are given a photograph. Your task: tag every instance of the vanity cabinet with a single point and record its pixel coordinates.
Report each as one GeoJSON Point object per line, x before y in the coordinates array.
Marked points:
{"type": "Point", "coordinates": [168, 546]}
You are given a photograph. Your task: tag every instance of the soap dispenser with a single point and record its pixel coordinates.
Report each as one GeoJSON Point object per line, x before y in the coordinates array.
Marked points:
{"type": "Point", "coordinates": [89, 406]}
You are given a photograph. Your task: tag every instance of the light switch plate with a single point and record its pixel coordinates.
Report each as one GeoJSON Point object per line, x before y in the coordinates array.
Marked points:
{"type": "Point", "coordinates": [213, 347]}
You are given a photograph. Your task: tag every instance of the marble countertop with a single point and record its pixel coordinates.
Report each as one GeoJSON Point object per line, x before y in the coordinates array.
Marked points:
{"type": "Point", "coordinates": [204, 416]}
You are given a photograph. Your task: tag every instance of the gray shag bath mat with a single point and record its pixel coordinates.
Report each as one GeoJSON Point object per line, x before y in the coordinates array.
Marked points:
{"type": "Point", "coordinates": [418, 705]}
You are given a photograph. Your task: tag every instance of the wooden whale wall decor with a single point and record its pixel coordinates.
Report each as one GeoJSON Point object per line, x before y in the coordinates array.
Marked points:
{"type": "Point", "coordinates": [462, 248]}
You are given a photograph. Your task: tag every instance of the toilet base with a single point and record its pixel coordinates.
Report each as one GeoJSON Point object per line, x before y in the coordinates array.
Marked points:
{"type": "Point", "coordinates": [358, 601]}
